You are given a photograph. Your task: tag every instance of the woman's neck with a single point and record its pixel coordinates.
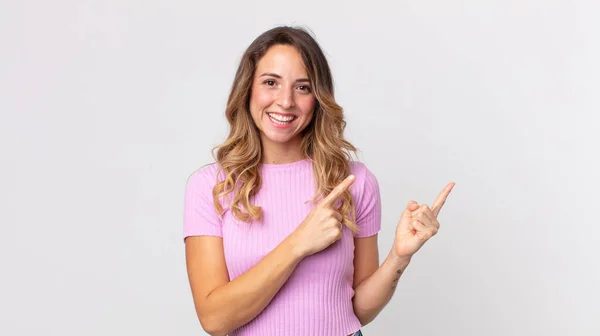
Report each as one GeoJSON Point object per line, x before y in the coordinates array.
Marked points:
{"type": "Point", "coordinates": [278, 153]}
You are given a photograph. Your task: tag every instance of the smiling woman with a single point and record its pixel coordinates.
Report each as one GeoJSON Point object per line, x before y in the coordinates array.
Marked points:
{"type": "Point", "coordinates": [281, 231]}
{"type": "Point", "coordinates": [281, 101]}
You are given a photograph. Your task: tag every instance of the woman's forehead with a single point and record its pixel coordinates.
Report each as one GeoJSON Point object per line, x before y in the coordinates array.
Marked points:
{"type": "Point", "coordinates": [282, 60]}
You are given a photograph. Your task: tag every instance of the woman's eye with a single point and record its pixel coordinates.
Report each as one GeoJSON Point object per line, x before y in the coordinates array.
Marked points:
{"type": "Point", "coordinates": [269, 82]}
{"type": "Point", "coordinates": [304, 88]}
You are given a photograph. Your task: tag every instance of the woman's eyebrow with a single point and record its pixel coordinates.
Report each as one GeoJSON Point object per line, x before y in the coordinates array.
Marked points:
{"type": "Point", "coordinates": [270, 74]}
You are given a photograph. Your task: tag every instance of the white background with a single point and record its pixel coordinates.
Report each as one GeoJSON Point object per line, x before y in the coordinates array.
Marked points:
{"type": "Point", "coordinates": [108, 106]}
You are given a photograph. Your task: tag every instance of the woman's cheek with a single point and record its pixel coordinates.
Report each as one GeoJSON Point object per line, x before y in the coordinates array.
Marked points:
{"type": "Point", "coordinates": [264, 98]}
{"type": "Point", "coordinates": [308, 106]}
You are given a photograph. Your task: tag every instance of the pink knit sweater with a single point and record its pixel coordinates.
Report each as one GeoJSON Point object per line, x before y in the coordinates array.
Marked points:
{"type": "Point", "coordinates": [317, 297]}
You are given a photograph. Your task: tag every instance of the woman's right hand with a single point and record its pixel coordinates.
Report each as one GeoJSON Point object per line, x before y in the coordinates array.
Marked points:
{"type": "Point", "coordinates": [323, 224]}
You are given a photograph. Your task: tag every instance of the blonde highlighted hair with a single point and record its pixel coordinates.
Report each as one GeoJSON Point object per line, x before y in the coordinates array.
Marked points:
{"type": "Point", "coordinates": [240, 155]}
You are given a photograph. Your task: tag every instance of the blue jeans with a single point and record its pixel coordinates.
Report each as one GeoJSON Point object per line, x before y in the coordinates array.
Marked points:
{"type": "Point", "coordinates": [358, 333]}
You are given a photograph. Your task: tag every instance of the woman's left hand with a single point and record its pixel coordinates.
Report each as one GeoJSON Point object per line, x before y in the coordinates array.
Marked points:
{"type": "Point", "coordinates": [418, 224]}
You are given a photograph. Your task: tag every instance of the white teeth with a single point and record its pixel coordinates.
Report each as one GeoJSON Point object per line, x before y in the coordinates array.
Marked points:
{"type": "Point", "coordinates": [281, 119]}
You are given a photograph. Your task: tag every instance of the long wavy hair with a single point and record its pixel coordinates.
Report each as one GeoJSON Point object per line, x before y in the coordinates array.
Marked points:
{"type": "Point", "coordinates": [240, 155]}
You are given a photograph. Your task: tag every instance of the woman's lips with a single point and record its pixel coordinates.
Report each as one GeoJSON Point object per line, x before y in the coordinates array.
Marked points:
{"type": "Point", "coordinates": [281, 124]}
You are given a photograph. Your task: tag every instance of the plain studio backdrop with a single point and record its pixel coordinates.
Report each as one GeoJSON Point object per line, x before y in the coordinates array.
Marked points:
{"type": "Point", "coordinates": [107, 107]}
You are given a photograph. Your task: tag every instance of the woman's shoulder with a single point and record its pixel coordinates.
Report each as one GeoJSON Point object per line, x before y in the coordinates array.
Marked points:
{"type": "Point", "coordinates": [206, 175]}
{"type": "Point", "coordinates": [357, 166]}
{"type": "Point", "coordinates": [365, 181]}
{"type": "Point", "coordinates": [360, 170]}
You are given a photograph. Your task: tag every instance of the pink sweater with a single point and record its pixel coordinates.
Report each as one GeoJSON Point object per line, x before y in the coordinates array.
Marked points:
{"type": "Point", "coordinates": [317, 297]}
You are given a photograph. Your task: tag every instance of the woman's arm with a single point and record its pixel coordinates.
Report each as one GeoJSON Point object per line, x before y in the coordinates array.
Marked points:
{"type": "Point", "coordinates": [416, 226]}
{"type": "Point", "coordinates": [223, 305]}
{"type": "Point", "coordinates": [374, 286]}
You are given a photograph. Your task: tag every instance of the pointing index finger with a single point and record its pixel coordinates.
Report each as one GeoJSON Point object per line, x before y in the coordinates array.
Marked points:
{"type": "Point", "coordinates": [338, 190]}
{"type": "Point", "coordinates": [441, 199]}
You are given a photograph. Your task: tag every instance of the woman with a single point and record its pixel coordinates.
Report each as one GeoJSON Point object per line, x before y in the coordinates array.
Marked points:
{"type": "Point", "coordinates": [281, 231]}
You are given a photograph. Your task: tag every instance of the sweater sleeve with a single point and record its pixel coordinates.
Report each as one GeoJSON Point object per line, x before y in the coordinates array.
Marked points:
{"type": "Point", "coordinates": [368, 207]}
{"type": "Point", "coordinates": [200, 218]}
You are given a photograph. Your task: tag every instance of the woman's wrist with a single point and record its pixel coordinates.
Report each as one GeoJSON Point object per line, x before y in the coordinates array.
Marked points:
{"type": "Point", "coordinates": [395, 258]}
{"type": "Point", "coordinates": [295, 248]}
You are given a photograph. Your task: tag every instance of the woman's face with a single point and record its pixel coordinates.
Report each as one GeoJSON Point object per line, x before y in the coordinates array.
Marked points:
{"type": "Point", "coordinates": [282, 103]}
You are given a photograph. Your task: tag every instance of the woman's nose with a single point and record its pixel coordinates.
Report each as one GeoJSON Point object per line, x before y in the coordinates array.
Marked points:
{"type": "Point", "coordinates": [286, 99]}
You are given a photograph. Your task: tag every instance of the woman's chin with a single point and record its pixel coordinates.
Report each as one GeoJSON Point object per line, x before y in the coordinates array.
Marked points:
{"type": "Point", "coordinates": [279, 138]}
